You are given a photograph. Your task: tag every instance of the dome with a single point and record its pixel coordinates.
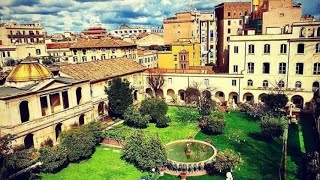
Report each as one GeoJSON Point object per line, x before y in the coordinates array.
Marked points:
{"type": "Point", "coordinates": [29, 70]}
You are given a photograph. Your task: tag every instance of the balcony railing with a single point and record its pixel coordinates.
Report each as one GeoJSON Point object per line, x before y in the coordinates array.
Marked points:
{"type": "Point", "coordinates": [48, 120]}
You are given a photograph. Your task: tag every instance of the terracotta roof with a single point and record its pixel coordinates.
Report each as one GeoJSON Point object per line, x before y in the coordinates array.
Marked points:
{"type": "Point", "coordinates": [101, 70]}
{"type": "Point", "coordinates": [99, 43]}
{"type": "Point", "coordinates": [59, 45]}
{"type": "Point", "coordinates": [143, 52]}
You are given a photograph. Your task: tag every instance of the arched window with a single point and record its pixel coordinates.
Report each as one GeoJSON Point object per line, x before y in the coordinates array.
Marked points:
{"type": "Point", "coordinates": [318, 48]}
{"type": "Point", "coordinates": [315, 86]}
{"type": "Point", "coordinates": [316, 68]}
{"type": "Point", "coordinates": [24, 111]}
{"type": "Point", "coordinates": [283, 48]}
{"type": "Point", "coordinates": [281, 84]}
{"type": "Point", "coordinates": [250, 82]}
{"type": "Point", "coordinates": [251, 49]}
{"type": "Point", "coordinates": [58, 130]}
{"type": "Point", "coordinates": [79, 95]}
{"type": "Point", "coordinates": [266, 49]}
{"type": "Point", "coordinates": [300, 48]}
{"type": "Point", "coordinates": [28, 141]}
{"type": "Point", "coordinates": [101, 108]}
{"type": "Point", "coordinates": [265, 84]}
{"type": "Point", "coordinates": [298, 84]}
{"type": "Point", "coordinates": [81, 120]}
{"type": "Point", "coordinates": [303, 32]}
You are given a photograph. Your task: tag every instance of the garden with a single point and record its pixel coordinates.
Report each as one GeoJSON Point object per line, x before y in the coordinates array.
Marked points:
{"type": "Point", "coordinates": [157, 138]}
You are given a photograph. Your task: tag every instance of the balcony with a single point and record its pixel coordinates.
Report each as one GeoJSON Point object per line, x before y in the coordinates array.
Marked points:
{"type": "Point", "coordinates": [25, 36]}
{"type": "Point", "coordinates": [45, 121]}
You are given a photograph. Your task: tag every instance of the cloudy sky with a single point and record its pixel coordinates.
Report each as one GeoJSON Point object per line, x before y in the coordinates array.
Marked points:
{"type": "Point", "coordinates": [75, 15]}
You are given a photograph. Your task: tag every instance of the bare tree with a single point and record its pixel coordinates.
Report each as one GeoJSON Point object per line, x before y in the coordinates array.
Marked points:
{"type": "Point", "coordinates": [155, 80]}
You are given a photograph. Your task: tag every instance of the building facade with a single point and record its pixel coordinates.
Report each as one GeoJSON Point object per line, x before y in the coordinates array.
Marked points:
{"type": "Point", "coordinates": [279, 62]}
{"type": "Point", "coordinates": [230, 18]}
{"type": "Point", "coordinates": [198, 26]}
{"type": "Point", "coordinates": [148, 58]}
{"type": "Point", "coordinates": [182, 55]}
{"type": "Point", "coordinates": [37, 105]}
{"type": "Point", "coordinates": [99, 49]}
{"type": "Point", "coordinates": [125, 30]}
{"type": "Point", "coordinates": [12, 33]}
{"type": "Point", "coordinates": [95, 33]}
{"type": "Point", "coordinates": [60, 51]}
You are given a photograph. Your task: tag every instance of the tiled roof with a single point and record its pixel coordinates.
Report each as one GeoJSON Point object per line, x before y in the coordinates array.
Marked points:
{"type": "Point", "coordinates": [101, 70]}
{"type": "Point", "coordinates": [59, 45]}
{"type": "Point", "coordinates": [100, 43]}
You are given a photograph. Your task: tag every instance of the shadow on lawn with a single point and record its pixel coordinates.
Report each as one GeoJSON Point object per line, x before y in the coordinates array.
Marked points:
{"type": "Point", "coordinates": [294, 147]}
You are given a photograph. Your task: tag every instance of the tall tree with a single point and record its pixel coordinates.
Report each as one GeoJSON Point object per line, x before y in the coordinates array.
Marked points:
{"type": "Point", "coordinates": [120, 96]}
{"type": "Point", "coordinates": [155, 80]}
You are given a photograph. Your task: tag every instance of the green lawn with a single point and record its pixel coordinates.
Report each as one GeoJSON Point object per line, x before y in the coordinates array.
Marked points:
{"type": "Point", "coordinates": [261, 158]}
{"type": "Point", "coordinates": [104, 164]}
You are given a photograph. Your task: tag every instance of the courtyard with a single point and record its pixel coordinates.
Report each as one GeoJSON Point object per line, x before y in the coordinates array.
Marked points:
{"type": "Point", "coordinates": [261, 157]}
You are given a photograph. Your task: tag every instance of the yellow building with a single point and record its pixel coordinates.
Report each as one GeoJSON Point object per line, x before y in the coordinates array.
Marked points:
{"type": "Point", "coordinates": [183, 54]}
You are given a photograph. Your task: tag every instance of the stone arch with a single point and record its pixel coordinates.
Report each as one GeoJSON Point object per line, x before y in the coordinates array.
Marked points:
{"type": "Point", "coordinates": [79, 95]}
{"type": "Point", "coordinates": [261, 97]}
{"type": "Point", "coordinates": [58, 130]}
{"type": "Point", "coordinates": [248, 97]}
{"type": "Point", "coordinates": [182, 94]}
{"type": "Point", "coordinates": [234, 97]}
{"type": "Point", "coordinates": [81, 119]}
{"type": "Point", "coordinates": [149, 92]}
{"type": "Point", "coordinates": [101, 108]}
{"type": "Point", "coordinates": [24, 111]}
{"type": "Point", "coordinates": [28, 141]}
{"type": "Point", "coordinates": [220, 95]}
{"type": "Point", "coordinates": [302, 32]}
{"type": "Point", "coordinates": [170, 92]}
{"type": "Point", "coordinates": [206, 93]}
{"type": "Point", "coordinates": [160, 93]}
{"type": "Point", "coordinates": [315, 86]}
{"type": "Point", "coordinates": [135, 95]}
{"type": "Point", "coordinates": [297, 100]}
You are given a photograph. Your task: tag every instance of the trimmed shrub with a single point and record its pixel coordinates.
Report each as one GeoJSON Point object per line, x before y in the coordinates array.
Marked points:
{"type": "Point", "coordinates": [144, 152]}
{"type": "Point", "coordinates": [187, 115]}
{"type": "Point", "coordinates": [272, 127]}
{"type": "Point", "coordinates": [96, 128]}
{"type": "Point", "coordinates": [213, 124]}
{"type": "Point", "coordinates": [133, 118]}
{"type": "Point", "coordinates": [154, 107]}
{"type": "Point", "coordinates": [53, 159]}
{"type": "Point", "coordinates": [227, 160]}
{"type": "Point", "coordinates": [79, 143]}
{"type": "Point", "coordinates": [163, 121]}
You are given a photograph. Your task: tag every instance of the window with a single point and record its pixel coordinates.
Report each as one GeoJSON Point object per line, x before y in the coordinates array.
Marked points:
{"type": "Point", "coordinates": [300, 48]}
{"type": "Point", "coordinates": [229, 14]}
{"type": "Point", "coordinates": [38, 51]}
{"type": "Point", "coordinates": [78, 95]}
{"type": "Point", "coordinates": [250, 67]}
{"type": "Point", "coordinates": [235, 49]}
{"type": "Point", "coordinates": [84, 58]}
{"type": "Point", "coordinates": [74, 52]}
{"type": "Point", "coordinates": [265, 84]}
{"type": "Point", "coordinates": [266, 68]}
{"type": "Point", "coordinates": [281, 84]}
{"type": "Point", "coordinates": [229, 22]}
{"type": "Point", "coordinates": [240, 21]}
{"type": "Point", "coordinates": [228, 38]}
{"type": "Point", "coordinates": [318, 48]}
{"type": "Point", "coordinates": [24, 111]}
{"type": "Point", "coordinates": [299, 68]}
{"type": "Point", "coordinates": [282, 68]}
{"type": "Point", "coordinates": [175, 57]}
{"type": "Point", "coordinates": [229, 30]}
{"type": "Point", "coordinates": [169, 80]}
{"type": "Point", "coordinates": [251, 49]}
{"type": "Point", "coordinates": [316, 68]}
{"type": "Point", "coordinates": [93, 58]}
{"type": "Point", "coordinates": [211, 54]}
{"type": "Point", "coordinates": [298, 84]}
{"type": "Point", "coordinates": [234, 82]}
{"type": "Point", "coordinates": [3, 54]}
{"type": "Point", "coordinates": [103, 57]}
{"type": "Point", "coordinates": [266, 48]}
{"type": "Point", "coordinates": [206, 82]}
{"type": "Point", "coordinates": [235, 69]}
{"type": "Point", "coordinates": [283, 49]}
{"type": "Point", "coordinates": [250, 82]}
{"type": "Point", "coordinates": [84, 52]}
{"type": "Point", "coordinates": [140, 61]}
{"type": "Point", "coordinates": [75, 59]}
